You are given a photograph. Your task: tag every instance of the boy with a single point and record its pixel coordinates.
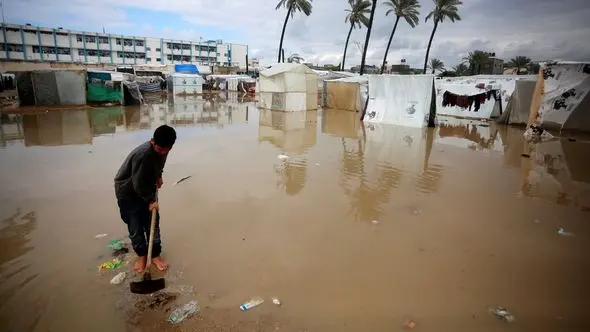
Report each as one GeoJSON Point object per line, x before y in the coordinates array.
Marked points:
{"type": "Point", "coordinates": [135, 188]}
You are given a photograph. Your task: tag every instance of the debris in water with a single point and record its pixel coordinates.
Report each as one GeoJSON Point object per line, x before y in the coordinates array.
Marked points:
{"type": "Point", "coordinates": [276, 301]}
{"type": "Point", "coordinates": [182, 179]}
{"type": "Point", "coordinates": [409, 324]}
{"type": "Point", "coordinates": [317, 164]}
{"type": "Point", "coordinates": [116, 244]}
{"type": "Point", "coordinates": [252, 303]}
{"type": "Point", "coordinates": [375, 222]}
{"type": "Point", "coordinates": [283, 157]}
{"type": "Point", "coordinates": [120, 252]}
{"type": "Point", "coordinates": [526, 155]}
{"type": "Point", "coordinates": [502, 313]}
{"type": "Point", "coordinates": [111, 264]}
{"type": "Point", "coordinates": [119, 278]}
{"type": "Point", "coordinates": [563, 232]}
{"type": "Point", "coordinates": [180, 314]}
{"type": "Point", "coordinates": [99, 236]}
{"type": "Point", "coordinates": [571, 139]}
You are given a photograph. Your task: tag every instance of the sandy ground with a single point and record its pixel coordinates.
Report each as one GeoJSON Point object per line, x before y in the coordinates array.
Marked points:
{"type": "Point", "coordinates": [360, 229]}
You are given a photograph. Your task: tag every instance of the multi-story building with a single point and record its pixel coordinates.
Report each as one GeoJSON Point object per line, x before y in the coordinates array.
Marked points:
{"type": "Point", "coordinates": [40, 44]}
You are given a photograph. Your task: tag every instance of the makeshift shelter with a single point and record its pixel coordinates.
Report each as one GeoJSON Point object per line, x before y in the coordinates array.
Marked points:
{"type": "Point", "coordinates": [288, 87]}
{"type": "Point", "coordinates": [182, 83]}
{"type": "Point", "coordinates": [349, 93]}
{"type": "Point", "coordinates": [564, 99]}
{"type": "Point", "coordinates": [471, 96]}
{"type": "Point", "coordinates": [519, 106]}
{"type": "Point", "coordinates": [108, 86]}
{"type": "Point", "coordinates": [52, 87]}
{"type": "Point", "coordinates": [405, 100]}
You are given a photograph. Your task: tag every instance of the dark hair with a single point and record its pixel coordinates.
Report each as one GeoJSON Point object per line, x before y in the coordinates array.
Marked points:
{"type": "Point", "coordinates": [165, 136]}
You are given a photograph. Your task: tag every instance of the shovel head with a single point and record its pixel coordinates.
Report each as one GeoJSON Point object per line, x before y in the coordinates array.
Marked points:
{"type": "Point", "coordinates": [147, 286]}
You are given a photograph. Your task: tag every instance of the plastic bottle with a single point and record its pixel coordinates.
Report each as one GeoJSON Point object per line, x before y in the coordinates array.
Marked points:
{"type": "Point", "coordinates": [180, 314]}
{"type": "Point", "coordinates": [252, 303]}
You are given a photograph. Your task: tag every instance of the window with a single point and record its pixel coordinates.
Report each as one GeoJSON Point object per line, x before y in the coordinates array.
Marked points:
{"type": "Point", "coordinates": [139, 43]}
{"type": "Point", "coordinates": [90, 39]}
{"type": "Point", "coordinates": [159, 59]}
{"type": "Point", "coordinates": [32, 32]}
{"type": "Point", "coordinates": [79, 38]}
{"type": "Point", "coordinates": [92, 52]}
{"type": "Point", "coordinates": [186, 46]}
{"type": "Point", "coordinates": [104, 53]}
{"type": "Point", "coordinates": [48, 33]}
{"type": "Point", "coordinates": [80, 52]}
{"type": "Point", "coordinates": [63, 51]}
{"type": "Point", "coordinates": [158, 50]}
{"type": "Point", "coordinates": [225, 55]}
{"type": "Point", "coordinates": [148, 48]}
{"type": "Point", "coordinates": [127, 42]}
{"type": "Point", "coordinates": [118, 41]}
{"type": "Point", "coordinates": [61, 34]}
{"type": "Point", "coordinates": [169, 45]}
{"type": "Point", "coordinates": [169, 57]}
{"type": "Point", "coordinates": [103, 40]}
{"type": "Point", "coordinates": [148, 59]}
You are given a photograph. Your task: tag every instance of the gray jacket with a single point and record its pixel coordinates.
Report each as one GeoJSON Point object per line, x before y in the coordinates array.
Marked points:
{"type": "Point", "coordinates": [139, 173]}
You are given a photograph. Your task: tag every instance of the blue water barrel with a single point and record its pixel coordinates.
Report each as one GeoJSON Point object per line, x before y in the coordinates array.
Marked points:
{"type": "Point", "coordinates": [186, 68]}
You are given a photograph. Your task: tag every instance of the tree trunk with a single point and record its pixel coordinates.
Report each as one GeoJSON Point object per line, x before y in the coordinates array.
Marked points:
{"type": "Point", "coordinates": [346, 46]}
{"type": "Point", "coordinates": [428, 48]}
{"type": "Point", "coordinates": [368, 37]}
{"type": "Point", "coordinates": [283, 34]}
{"type": "Point", "coordinates": [388, 45]}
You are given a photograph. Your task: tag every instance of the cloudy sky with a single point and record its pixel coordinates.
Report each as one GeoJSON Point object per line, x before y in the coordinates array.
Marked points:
{"type": "Point", "coordinates": [540, 29]}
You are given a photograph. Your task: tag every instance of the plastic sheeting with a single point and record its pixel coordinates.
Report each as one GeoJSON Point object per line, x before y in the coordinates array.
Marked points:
{"type": "Point", "coordinates": [288, 77]}
{"type": "Point", "coordinates": [404, 100]}
{"type": "Point", "coordinates": [59, 87]}
{"type": "Point", "coordinates": [348, 93]}
{"type": "Point", "coordinates": [518, 108]}
{"type": "Point", "coordinates": [505, 84]}
{"type": "Point", "coordinates": [99, 92]}
{"type": "Point", "coordinates": [179, 83]}
{"type": "Point", "coordinates": [566, 100]}
{"type": "Point", "coordinates": [288, 101]}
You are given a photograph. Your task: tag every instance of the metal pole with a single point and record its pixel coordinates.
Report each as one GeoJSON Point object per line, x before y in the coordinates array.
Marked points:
{"type": "Point", "coordinates": [2, 10]}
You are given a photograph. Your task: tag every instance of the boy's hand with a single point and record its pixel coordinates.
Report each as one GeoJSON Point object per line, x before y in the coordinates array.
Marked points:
{"type": "Point", "coordinates": [159, 183]}
{"type": "Point", "coordinates": [154, 205]}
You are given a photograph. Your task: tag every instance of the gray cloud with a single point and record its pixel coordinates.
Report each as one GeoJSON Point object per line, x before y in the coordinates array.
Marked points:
{"type": "Point", "coordinates": [540, 29]}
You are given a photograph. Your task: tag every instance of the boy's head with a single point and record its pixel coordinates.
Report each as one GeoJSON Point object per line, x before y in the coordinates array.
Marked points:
{"type": "Point", "coordinates": [163, 140]}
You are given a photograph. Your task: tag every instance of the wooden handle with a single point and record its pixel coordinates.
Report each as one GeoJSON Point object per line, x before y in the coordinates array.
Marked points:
{"type": "Point", "coordinates": [151, 240]}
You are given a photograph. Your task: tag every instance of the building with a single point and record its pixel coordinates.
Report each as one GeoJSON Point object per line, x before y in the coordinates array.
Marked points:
{"type": "Point", "coordinates": [40, 44]}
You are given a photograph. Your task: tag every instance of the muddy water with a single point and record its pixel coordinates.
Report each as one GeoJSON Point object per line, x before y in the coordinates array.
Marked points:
{"type": "Point", "coordinates": [361, 228]}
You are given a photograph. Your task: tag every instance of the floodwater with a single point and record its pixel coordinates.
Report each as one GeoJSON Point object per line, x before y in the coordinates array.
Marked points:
{"type": "Point", "coordinates": [360, 229]}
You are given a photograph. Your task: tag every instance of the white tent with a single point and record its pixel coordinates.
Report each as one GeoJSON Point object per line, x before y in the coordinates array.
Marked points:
{"type": "Point", "coordinates": [400, 99]}
{"type": "Point", "coordinates": [518, 108]}
{"type": "Point", "coordinates": [181, 83]}
{"type": "Point", "coordinates": [566, 100]}
{"type": "Point", "coordinates": [288, 87]}
{"type": "Point", "coordinates": [496, 89]}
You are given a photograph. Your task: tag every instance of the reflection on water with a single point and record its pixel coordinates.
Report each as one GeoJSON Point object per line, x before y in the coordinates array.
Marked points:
{"type": "Point", "coordinates": [456, 202]}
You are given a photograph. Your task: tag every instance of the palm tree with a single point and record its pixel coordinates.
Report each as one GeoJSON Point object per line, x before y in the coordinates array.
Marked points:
{"type": "Point", "coordinates": [295, 58]}
{"type": "Point", "coordinates": [460, 69]}
{"type": "Point", "coordinates": [442, 9]}
{"type": "Point", "coordinates": [356, 16]}
{"type": "Point", "coordinates": [368, 37]}
{"type": "Point", "coordinates": [292, 6]}
{"type": "Point", "coordinates": [519, 63]}
{"type": "Point", "coordinates": [409, 10]}
{"type": "Point", "coordinates": [436, 64]}
{"type": "Point", "coordinates": [476, 60]}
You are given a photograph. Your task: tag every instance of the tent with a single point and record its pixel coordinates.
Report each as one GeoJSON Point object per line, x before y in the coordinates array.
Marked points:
{"type": "Point", "coordinates": [405, 100]}
{"type": "Point", "coordinates": [52, 87]}
{"type": "Point", "coordinates": [479, 96]}
{"type": "Point", "coordinates": [519, 106]}
{"type": "Point", "coordinates": [288, 87]}
{"type": "Point", "coordinates": [181, 83]}
{"type": "Point", "coordinates": [565, 101]}
{"type": "Point", "coordinates": [349, 93]}
{"type": "Point", "coordinates": [500, 87]}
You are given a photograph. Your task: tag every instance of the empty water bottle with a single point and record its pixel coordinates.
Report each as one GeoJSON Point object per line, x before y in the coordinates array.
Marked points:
{"type": "Point", "coordinates": [180, 314]}
{"type": "Point", "coordinates": [252, 303]}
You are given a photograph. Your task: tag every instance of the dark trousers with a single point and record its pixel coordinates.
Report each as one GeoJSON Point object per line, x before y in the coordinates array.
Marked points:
{"type": "Point", "coordinates": [137, 215]}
